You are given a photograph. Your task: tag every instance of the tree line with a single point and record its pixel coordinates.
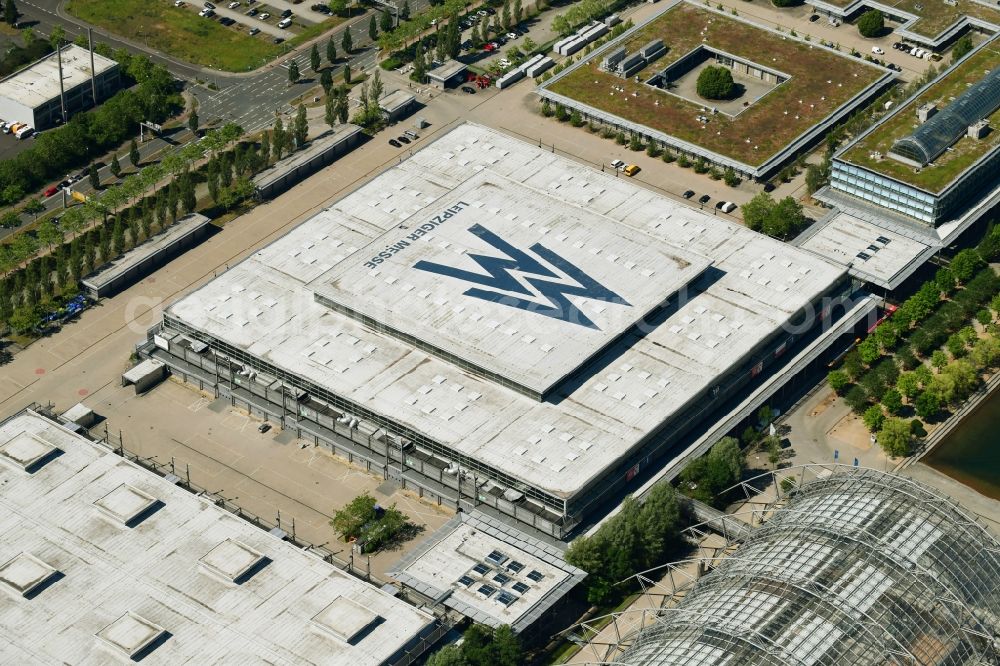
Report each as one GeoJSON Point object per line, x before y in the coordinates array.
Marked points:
{"type": "Point", "coordinates": [927, 357]}
{"type": "Point", "coordinates": [125, 216]}
{"type": "Point", "coordinates": [88, 134]}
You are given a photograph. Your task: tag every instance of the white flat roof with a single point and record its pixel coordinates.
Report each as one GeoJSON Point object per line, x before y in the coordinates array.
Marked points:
{"type": "Point", "coordinates": [142, 370]}
{"type": "Point", "coordinates": [395, 100]}
{"type": "Point", "coordinates": [445, 280]}
{"type": "Point", "coordinates": [264, 305]}
{"type": "Point", "coordinates": [38, 83]}
{"type": "Point", "coordinates": [119, 585]}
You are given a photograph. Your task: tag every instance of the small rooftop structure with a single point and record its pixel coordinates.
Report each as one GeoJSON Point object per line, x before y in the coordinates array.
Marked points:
{"type": "Point", "coordinates": [147, 256]}
{"type": "Point", "coordinates": [321, 151]}
{"type": "Point", "coordinates": [397, 104]}
{"type": "Point", "coordinates": [145, 375]}
{"type": "Point", "coordinates": [80, 414]}
{"type": "Point", "coordinates": [488, 571]}
{"type": "Point", "coordinates": [189, 584]}
{"type": "Point", "coordinates": [445, 74]}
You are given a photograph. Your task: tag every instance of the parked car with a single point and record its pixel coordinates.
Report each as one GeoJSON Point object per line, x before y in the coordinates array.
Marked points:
{"type": "Point", "coordinates": [631, 170]}
{"type": "Point", "coordinates": [209, 5]}
{"type": "Point", "coordinates": [395, 144]}
{"type": "Point", "coordinates": [505, 63]}
{"type": "Point", "coordinates": [877, 50]}
{"type": "Point", "coordinates": [50, 190]}
{"type": "Point", "coordinates": [286, 13]}
{"type": "Point", "coordinates": [413, 135]}
{"type": "Point", "coordinates": [704, 199]}
{"type": "Point", "coordinates": [252, 11]}
{"type": "Point", "coordinates": [284, 23]}
{"type": "Point", "coordinates": [234, 4]}
{"type": "Point", "coordinates": [277, 40]}
{"type": "Point", "coordinates": [688, 194]}
{"type": "Point", "coordinates": [178, 3]}
{"type": "Point", "coordinates": [511, 35]}
{"type": "Point", "coordinates": [207, 13]}
{"type": "Point", "coordinates": [402, 139]}
{"type": "Point", "coordinates": [264, 427]}
{"type": "Point", "coordinates": [618, 165]}
{"type": "Point", "coordinates": [726, 206]}
{"type": "Point", "coordinates": [814, 18]}
{"type": "Point", "coordinates": [489, 48]}
{"type": "Point", "coordinates": [468, 90]}
{"type": "Point", "coordinates": [225, 20]}
{"type": "Point", "coordinates": [264, 16]}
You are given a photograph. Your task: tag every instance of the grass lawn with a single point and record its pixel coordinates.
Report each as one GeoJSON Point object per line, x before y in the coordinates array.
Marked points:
{"type": "Point", "coordinates": [180, 32]}
{"type": "Point", "coordinates": [820, 81]}
{"type": "Point", "coordinates": [951, 163]}
{"type": "Point", "coordinates": [934, 15]}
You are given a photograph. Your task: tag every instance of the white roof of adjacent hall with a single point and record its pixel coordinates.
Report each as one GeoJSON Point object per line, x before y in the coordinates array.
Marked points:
{"type": "Point", "coordinates": [38, 83]}
{"type": "Point", "coordinates": [170, 570]}
{"type": "Point", "coordinates": [265, 306]}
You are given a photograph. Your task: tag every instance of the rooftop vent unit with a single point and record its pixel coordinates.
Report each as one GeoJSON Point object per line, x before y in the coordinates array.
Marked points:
{"type": "Point", "coordinates": [127, 506]}
{"type": "Point", "coordinates": [346, 620]}
{"type": "Point", "coordinates": [979, 129]}
{"type": "Point", "coordinates": [611, 60]}
{"type": "Point", "coordinates": [233, 561]}
{"type": "Point", "coordinates": [875, 155]}
{"type": "Point", "coordinates": [25, 575]}
{"type": "Point", "coordinates": [27, 452]}
{"type": "Point", "coordinates": [926, 111]}
{"type": "Point", "coordinates": [132, 636]}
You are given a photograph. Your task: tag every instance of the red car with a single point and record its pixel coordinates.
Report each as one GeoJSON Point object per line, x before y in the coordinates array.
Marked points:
{"type": "Point", "coordinates": [489, 47]}
{"type": "Point", "coordinates": [51, 190]}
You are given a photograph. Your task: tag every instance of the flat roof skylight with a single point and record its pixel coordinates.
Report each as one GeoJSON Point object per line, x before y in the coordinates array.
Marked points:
{"type": "Point", "coordinates": [26, 451]}
{"type": "Point", "coordinates": [130, 635]}
{"type": "Point", "coordinates": [126, 505]}
{"type": "Point", "coordinates": [24, 573]}
{"type": "Point", "coordinates": [344, 619]}
{"type": "Point", "coordinates": [231, 560]}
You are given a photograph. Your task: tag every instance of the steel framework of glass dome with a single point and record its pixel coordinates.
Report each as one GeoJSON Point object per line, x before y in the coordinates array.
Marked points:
{"type": "Point", "coordinates": [853, 567]}
{"type": "Point", "coordinates": [948, 125]}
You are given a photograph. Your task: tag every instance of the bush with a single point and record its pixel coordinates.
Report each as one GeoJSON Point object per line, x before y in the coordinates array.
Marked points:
{"type": "Point", "coordinates": [871, 23]}
{"type": "Point", "coordinates": [895, 437]}
{"type": "Point", "coordinates": [669, 157]}
{"type": "Point", "coordinates": [716, 82]}
{"type": "Point", "coordinates": [391, 63]}
{"type": "Point", "coordinates": [784, 3]}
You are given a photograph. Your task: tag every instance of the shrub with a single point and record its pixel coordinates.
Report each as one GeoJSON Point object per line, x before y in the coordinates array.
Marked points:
{"type": "Point", "coordinates": [700, 165]}
{"type": "Point", "coordinates": [838, 380]}
{"type": "Point", "coordinates": [715, 82]}
{"type": "Point", "coordinates": [730, 178]}
{"type": "Point", "coordinates": [871, 23]}
{"type": "Point", "coordinates": [895, 437]}
{"type": "Point", "coordinates": [669, 157]}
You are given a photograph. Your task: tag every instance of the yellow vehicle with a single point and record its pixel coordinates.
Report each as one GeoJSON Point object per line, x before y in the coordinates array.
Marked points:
{"type": "Point", "coordinates": [631, 170]}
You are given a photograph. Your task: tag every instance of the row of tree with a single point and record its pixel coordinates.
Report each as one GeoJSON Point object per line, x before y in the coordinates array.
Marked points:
{"type": "Point", "coordinates": [482, 646]}
{"type": "Point", "coordinates": [778, 219]}
{"type": "Point", "coordinates": [926, 357]}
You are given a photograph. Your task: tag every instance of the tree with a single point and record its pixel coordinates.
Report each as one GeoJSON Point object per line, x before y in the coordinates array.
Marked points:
{"type": "Point", "coordinates": [450, 655]}
{"type": "Point", "coordinates": [301, 127]}
{"type": "Point", "coordinates": [505, 16]}
{"type": "Point", "coordinates": [962, 46]}
{"type": "Point", "coordinates": [871, 23]}
{"type": "Point", "coordinates": [133, 154]}
{"type": "Point", "coordinates": [965, 264]}
{"type": "Point", "coordinates": [293, 72]}
{"type": "Point", "coordinates": [384, 22]}
{"type": "Point", "coordinates": [95, 178]}
{"type": "Point", "coordinates": [278, 139]}
{"type": "Point", "coordinates": [49, 234]}
{"type": "Point", "coordinates": [895, 437]}
{"type": "Point", "coordinates": [330, 115]}
{"type": "Point", "coordinates": [347, 73]}
{"type": "Point", "coordinates": [927, 405]}
{"type": "Point", "coordinates": [10, 220]}
{"type": "Point", "coordinates": [116, 167]}
{"type": "Point", "coordinates": [757, 210]}
{"type": "Point", "coordinates": [420, 64]}
{"type": "Point", "coordinates": [518, 16]}
{"type": "Point", "coordinates": [716, 82]}
{"type": "Point", "coordinates": [314, 61]}
{"type": "Point", "coordinates": [345, 41]}
{"type": "Point", "coordinates": [34, 207]}
{"type": "Point", "coordinates": [817, 176]}
{"type": "Point", "coordinates": [342, 104]}
{"type": "Point", "coordinates": [338, 7]}
{"type": "Point", "coordinates": [56, 37]}
{"type": "Point", "coordinates": [331, 51]}
{"type": "Point", "coordinates": [10, 13]}
{"type": "Point", "coordinates": [193, 121]}
{"type": "Point", "coordinates": [856, 399]}
{"type": "Point", "coordinates": [404, 12]}
{"type": "Point", "coordinates": [838, 380]}
{"type": "Point", "coordinates": [869, 350]}
{"type": "Point", "coordinates": [873, 418]}
{"type": "Point", "coordinates": [373, 28]}
{"type": "Point", "coordinates": [908, 385]}
{"type": "Point", "coordinates": [785, 219]}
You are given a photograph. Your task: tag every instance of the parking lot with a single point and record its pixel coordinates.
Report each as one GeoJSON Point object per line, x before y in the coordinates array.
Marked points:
{"type": "Point", "coordinates": [275, 19]}
{"type": "Point", "coordinates": [9, 146]}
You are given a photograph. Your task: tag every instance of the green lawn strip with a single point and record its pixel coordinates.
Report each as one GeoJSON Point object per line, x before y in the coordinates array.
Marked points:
{"type": "Point", "coordinates": [951, 163]}
{"type": "Point", "coordinates": [765, 123]}
{"type": "Point", "coordinates": [178, 31]}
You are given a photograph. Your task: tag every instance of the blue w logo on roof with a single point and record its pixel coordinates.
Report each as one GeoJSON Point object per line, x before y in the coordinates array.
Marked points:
{"type": "Point", "coordinates": [498, 277]}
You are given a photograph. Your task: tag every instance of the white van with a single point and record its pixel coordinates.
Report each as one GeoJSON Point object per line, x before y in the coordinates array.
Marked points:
{"type": "Point", "coordinates": [24, 132]}
{"type": "Point", "coordinates": [727, 206]}
{"type": "Point", "coordinates": [284, 23]}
